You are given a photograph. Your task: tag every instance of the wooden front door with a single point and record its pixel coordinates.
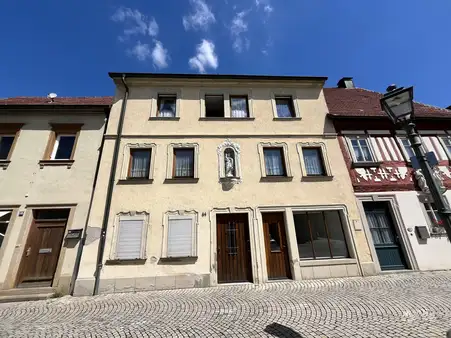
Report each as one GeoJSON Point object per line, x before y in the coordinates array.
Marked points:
{"type": "Point", "coordinates": [385, 238]}
{"type": "Point", "coordinates": [233, 248]}
{"type": "Point", "coordinates": [277, 259]}
{"type": "Point", "coordinates": [41, 252]}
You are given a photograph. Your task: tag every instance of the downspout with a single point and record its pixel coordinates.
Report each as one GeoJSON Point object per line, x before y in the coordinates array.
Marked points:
{"type": "Point", "coordinates": [109, 195]}
{"type": "Point", "coordinates": [83, 239]}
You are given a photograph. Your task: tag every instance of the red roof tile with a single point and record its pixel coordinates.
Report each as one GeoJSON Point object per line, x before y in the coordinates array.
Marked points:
{"type": "Point", "coordinates": [365, 103]}
{"type": "Point", "coordinates": [30, 100]}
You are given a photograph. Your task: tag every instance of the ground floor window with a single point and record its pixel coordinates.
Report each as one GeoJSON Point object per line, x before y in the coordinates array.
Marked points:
{"type": "Point", "coordinates": [320, 235]}
{"type": "Point", "coordinates": [5, 216]}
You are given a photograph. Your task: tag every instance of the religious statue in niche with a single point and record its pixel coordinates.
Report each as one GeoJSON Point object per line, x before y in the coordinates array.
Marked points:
{"type": "Point", "coordinates": [229, 162]}
{"type": "Point", "coordinates": [421, 181]}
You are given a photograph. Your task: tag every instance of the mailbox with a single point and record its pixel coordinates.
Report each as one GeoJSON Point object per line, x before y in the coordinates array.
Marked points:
{"type": "Point", "coordinates": [422, 232]}
{"type": "Point", "coordinates": [74, 234]}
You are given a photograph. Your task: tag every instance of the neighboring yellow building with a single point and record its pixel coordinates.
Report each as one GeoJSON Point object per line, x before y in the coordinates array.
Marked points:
{"type": "Point", "coordinates": [49, 149]}
{"type": "Point", "coordinates": [220, 179]}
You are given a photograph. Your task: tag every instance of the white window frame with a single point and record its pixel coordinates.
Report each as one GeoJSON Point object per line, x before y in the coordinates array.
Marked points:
{"type": "Point", "coordinates": [401, 145]}
{"type": "Point", "coordinates": [165, 92]}
{"type": "Point", "coordinates": [226, 93]}
{"type": "Point", "coordinates": [285, 93]}
{"type": "Point", "coordinates": [181, 214]}
{"type": "Point", "coordinates": [286, 158]}
{"type": "Point", "coordinates": [441, 139]}
{"type": "Point", "coordinates": [170, 158]}
{"type": "Point", "coordinates": [57, 142]}
{"type": "Point", "coordinates": [324, 157]}
{"type": "Point", "coordinates": [367, 139]}
{"type": "Point", "coordinates": [130, 215]}
{"type": "Point", "coordinates": [228, 144]}
{"type": "Point", "coordinates": [126, 158]}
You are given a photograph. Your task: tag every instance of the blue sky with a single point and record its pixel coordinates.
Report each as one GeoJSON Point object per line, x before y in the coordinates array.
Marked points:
{"type": "Point", "coordinates": [68, 47]}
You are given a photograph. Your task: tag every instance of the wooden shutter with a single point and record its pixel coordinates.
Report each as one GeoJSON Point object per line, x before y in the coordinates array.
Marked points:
{"type": "Point", "coordinates": [129, 239]}
{"type": "Point", "coordinates": [180, 237]}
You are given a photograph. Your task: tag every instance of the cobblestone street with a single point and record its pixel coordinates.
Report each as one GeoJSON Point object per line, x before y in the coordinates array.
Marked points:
{"type": "Point", "coordinates": [393, 305]}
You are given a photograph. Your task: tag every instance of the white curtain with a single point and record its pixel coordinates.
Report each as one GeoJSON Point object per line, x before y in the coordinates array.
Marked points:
{"type": "Point", "coordinates": [167, 108]}
{"type": "Point", "coordinates": [239, 107]}
{"type": "Point", "coordinates": [184, 163]}
{"type": "Point", "coordinates": [274, 162]}
{"type": "Point", "coordinates": [140, 164]}
{"type": "Point", "coordinates": [312, 160]}
{"type": "Point", "coordinates": [283, 108]}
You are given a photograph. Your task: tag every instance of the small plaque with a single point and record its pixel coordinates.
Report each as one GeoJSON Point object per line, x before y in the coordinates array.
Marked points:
{"type": "Point", "coordinates": [45, 250]}
{"type": "Point", "coordinates": [74, 234]}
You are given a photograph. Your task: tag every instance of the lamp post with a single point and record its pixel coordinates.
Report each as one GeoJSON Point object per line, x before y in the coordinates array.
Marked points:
{"type": "Point", "coordinates": [398, 105]}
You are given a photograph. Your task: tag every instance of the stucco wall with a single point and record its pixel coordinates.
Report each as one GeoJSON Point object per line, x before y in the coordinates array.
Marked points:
{"type": "Point", "coordinates": [160, 196]}
{"type": "Point", "coordinates": [25, 185]}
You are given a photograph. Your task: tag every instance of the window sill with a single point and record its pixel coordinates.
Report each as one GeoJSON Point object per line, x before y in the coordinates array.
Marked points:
{"type": "Point", "coordinates": [226, 118]}
{"type": "Point", "coordinates": [287, 118]}
{"type": "Point", "coordinates": [176, 180]}
{"type": "Point", "coordinates": [44, 163]}
{"type": "Point", "coordinates": [323, 262]}
{"type": "Point", "coordinates": [276, 179]}
{"type": "Point", "coordinates": [137, 261]}
{"type": "Point", "coordinates": [365, 164]}
{"type": "Point", "coordinates": [4, 164]}
{"type": "Point", "coordinates": [135, 181]}
{"type": "Point", "coordinates": [164, 118]}
{"type": "Point", "coordinates": [318, 178]}
{"type": "Point", "coordinates": [184, 259]}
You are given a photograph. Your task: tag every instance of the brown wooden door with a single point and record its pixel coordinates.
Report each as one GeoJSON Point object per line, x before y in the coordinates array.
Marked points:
{"type": "Point", "coordinates": [277, 259]}
{"type": "Point", "coordinates": [233, 248]}
{"type": "Point", "coordinates": [41, 253]}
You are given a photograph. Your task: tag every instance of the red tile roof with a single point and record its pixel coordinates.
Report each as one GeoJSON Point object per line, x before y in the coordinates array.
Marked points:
{"type": "Point", "coordinates": [365, 103]}
{"type": "Point", "coordinates": [35, 100]}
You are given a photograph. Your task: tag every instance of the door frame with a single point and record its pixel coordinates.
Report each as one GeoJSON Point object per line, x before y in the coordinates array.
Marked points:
{"type": "Point", "coordinates": [398, 226]}
{"type": "Point", "coordinates": [214, 245]}
{"type": "Point", "coordinates": [13, 273]}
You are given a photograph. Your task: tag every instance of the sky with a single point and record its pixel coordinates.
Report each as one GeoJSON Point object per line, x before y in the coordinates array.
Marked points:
{"type": "Point", "coordinates": [68, 47]}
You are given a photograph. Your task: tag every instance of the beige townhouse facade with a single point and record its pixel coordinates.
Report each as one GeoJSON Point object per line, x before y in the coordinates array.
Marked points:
{"type": "Point", "coordinates": [214, 179]}
{"type": "Point", "coordinates": [49, 150]}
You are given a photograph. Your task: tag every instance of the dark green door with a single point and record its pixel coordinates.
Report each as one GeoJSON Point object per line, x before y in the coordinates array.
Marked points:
{"type": "Point", "coordinates": [385, 238]}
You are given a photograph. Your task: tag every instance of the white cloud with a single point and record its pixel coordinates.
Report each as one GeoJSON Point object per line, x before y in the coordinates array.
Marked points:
{"type": "Point", "coordinates": [205, 57]}
{"type": "Point", "coordinates": [201, 18]}
{"type": "Point", "coordinates": [237, 28]}
{"type": "Point", "coordinates": [135, 23]}
{"type": "Point", "coordinates": [141, 51]}
{"type": "Point", "coordinates": [266, 5]}
{"type": "Point", "coordinates": [160, 55]}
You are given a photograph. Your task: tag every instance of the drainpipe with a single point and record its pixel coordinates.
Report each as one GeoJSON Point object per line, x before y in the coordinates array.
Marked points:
{"type": "Point", "coordinates": [83, 239]}
{"type": "Point", "coordinates": [109, 195]}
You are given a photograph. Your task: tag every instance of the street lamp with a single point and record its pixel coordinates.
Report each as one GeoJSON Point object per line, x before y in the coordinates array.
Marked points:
{"type": "Point", "coordinates": [398, 105]}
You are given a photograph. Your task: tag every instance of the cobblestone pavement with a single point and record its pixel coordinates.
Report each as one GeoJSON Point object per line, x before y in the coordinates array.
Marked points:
{"type": "Point", "coordinates": [395, 305]}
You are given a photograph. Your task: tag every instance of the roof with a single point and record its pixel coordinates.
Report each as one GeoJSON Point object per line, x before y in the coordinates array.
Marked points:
{"type": "Point", "coordinates": [64, 101]}
{"type": "Point", "coordinates": [358, 102]}
{"type": "Point", "coordinates": [218, 77]}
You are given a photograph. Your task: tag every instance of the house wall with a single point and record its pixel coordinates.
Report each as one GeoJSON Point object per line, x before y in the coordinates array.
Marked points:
{"type": "Point", "coordinates": [208, 197]}
{"type": "Point", "coordinates": [25, 186]}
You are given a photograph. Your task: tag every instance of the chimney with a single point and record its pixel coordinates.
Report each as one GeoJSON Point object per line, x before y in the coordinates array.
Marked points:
{"type": "Point", "coordinates": [346, 82]}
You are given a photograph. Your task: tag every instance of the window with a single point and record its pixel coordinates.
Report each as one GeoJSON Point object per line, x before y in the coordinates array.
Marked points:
{"type": "Point", "coordinates": [313, 161]}
{"type": "Point", "coordinates": [239, 107]}
{"type": "Point", "coordinates": [320, 235]}
{"type": "Point", "coordinates": [274, 162]}
{"type": "Point", "coordinates": [167, 106]}
{"type": "Point", "coordinates": [62, 142]}
{"type": "Point", "coordinates": [183, 163]}
{"type": "Point", "coordinates": [447, 143]}
{"type": "Point", "coordinates": [214, 106]}
{"type": "Point", "coordinates": [6, 143]}
{"type": "Point", "coordinates": [63, 147]}
{"type": "Point", "coordinates": [5, 216]}
{"type": "Point", "coordinates": [181, 236]}
{"type": "Point", "coordinates": [285, 107]}
{"type": "Point", "coordinates": [139, 163]}
{"type": "Point", "coordinates": [361, 150]}
{"type": "Point", "coordinates": [130, 236]}
{"type": "Point", "coordinates": [408, 151]}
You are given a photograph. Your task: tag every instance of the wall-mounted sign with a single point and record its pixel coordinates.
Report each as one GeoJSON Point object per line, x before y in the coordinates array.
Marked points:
{"type": "Point", "coordinates": [74, 234]}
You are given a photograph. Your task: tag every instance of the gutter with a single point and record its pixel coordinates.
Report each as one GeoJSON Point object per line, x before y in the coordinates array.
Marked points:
{"type": "Point", "coordinates": [109, 194]}
{"type": "Point", "coordinates": [83, 239]}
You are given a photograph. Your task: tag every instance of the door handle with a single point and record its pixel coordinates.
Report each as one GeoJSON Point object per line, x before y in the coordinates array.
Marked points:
{"type": "Point", "coordinates": [27, 253]}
